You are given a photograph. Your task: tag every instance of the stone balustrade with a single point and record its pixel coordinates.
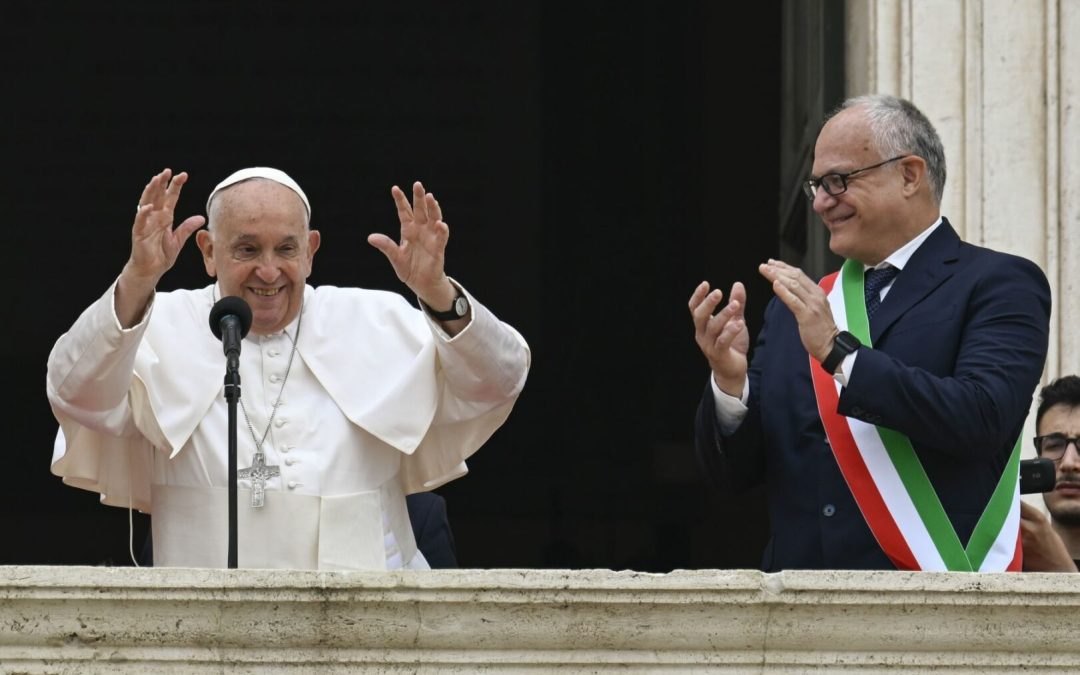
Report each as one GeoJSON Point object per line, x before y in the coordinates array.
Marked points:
{"type": "Point", "coordinates": [148, 621]}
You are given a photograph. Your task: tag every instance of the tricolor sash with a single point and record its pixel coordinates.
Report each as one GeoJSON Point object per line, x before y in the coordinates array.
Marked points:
{"type": "Point", "coordinates": [888, 480]}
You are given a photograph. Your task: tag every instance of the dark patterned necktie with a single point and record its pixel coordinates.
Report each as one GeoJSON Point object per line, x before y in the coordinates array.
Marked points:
{"type": "Point", "coordinates": [873, 283]}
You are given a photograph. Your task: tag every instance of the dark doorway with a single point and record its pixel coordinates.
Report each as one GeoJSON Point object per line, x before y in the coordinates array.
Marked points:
{"type": "Point", "coordinates": [595, 163]}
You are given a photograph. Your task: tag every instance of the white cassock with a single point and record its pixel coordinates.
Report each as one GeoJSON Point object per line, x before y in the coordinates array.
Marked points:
{"type": "Point", "coordinates": [378, 403]}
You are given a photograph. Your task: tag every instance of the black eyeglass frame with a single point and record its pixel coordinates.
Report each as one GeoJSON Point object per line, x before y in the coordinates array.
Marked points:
{"type": "Point", "coordinates": [1075, 440]}
{"type": "Point", "coordinates": [811, 185]}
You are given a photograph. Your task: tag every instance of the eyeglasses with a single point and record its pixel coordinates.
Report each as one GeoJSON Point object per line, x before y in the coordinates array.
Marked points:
{"type": "Point", "coordinates": [1053, 446]}
{"type": "Point", "coordinates": [836, 183]}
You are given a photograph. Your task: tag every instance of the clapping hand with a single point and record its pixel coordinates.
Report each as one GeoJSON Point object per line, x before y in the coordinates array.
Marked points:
{"type": "Point", "coordinates": [722, 336]}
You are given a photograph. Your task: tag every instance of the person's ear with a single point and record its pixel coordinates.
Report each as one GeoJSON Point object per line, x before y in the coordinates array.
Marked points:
{"type": "Point", "coordinates": [913, 172]}
{"type": "Point", "coordinates": [205, 241]}
{"type": "Point", "coordinates": [314, 239]}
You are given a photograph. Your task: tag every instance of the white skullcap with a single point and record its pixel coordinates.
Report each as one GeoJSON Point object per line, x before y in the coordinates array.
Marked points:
{"type": "Point", "coordinates": [276, 175]}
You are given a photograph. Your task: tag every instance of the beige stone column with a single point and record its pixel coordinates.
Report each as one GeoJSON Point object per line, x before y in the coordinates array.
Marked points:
{"type": "Point", "coordinates": [1067, 163]}
{"type": "Point", "coordinates": [1001, 82]}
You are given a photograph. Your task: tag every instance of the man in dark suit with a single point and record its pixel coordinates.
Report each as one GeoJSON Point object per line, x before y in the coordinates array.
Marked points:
{"type": "Point", "coordinates": [431, 527]}
{"type": "Point", "coordinates": [883, 431]}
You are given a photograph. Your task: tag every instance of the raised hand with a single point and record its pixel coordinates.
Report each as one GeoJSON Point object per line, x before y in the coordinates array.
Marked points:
{"type": "Point", "coordinates": [418, 258]}
{"type": "Point", "coordinates": [722, 337]}
{"type": "Point", "coordinates": [1044, 551]}
{"type": "Point", "coordinates": [155, 244]}
{"type": "Point", "coordinates": [807, 301]}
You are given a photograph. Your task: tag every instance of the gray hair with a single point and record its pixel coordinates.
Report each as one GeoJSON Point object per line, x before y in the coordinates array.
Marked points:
{"type": "Point", "coordinates": [899, 128]}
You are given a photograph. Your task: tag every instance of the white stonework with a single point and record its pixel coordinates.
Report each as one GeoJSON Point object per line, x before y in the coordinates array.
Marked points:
{"type": "Point", "coordinates": [123, 620]}
{"type": "Point", "coordinates": [1000, 79]}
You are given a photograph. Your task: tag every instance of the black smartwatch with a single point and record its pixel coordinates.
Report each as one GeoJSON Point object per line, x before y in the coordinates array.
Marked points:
{"type": "Point", "coordinates": [843, 344]}
{"type": "Point", "coordinates": [458, 310]}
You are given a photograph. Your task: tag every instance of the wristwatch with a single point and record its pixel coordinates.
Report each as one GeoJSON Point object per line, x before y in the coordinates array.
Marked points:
{"type": "Point", "coordinates": [843, 344]}
{"type": "Point", "coordinates": [458, 310]}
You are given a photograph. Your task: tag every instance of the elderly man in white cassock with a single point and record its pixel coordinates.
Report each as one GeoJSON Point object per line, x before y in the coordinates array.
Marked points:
{"type": "Point", "coordinates": [351, 398]}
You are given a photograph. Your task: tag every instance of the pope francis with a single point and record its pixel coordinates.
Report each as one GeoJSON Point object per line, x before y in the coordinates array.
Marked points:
{"type": "Point", "coordinates": [351, 398]}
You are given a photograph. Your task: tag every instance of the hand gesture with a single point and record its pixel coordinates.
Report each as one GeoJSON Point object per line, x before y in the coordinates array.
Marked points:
{"type": "Point", "coordinates": [419, 258]}
{"type": "Point", "coordinates": [722, 337]}
{"type": "Point", "coordinates": [155, 245]}
{"type": "Point", "coordinates": [1044, 551]}
{"type": "Point", "coordinates": [807, 301]}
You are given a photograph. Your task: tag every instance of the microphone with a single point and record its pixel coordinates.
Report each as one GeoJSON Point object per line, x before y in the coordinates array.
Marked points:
{"type": "Point", "coordinates": [230, 320]}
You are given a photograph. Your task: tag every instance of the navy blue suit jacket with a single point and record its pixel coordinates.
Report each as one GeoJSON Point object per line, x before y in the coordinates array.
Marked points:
{"type": "Point", "coordinates": [958, 348]}
{"type": "Point", "coordinates": [431, 527]}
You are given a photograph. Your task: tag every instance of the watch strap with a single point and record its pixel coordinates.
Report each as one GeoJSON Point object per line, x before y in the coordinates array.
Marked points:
{"type": "Point", "coordinates": [843, 344]}
{"type": "Point", "coordinates": [459, 308]}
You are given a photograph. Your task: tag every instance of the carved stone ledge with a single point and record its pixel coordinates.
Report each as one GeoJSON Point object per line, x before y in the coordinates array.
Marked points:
{"type": "Point", "coordinates": [121, 620]}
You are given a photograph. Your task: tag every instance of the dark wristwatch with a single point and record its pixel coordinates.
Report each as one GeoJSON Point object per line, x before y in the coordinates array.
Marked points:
{"type": "Point", "coordinates": [843, 344]}
{"type": "Point", "coordinates": [458, 310]}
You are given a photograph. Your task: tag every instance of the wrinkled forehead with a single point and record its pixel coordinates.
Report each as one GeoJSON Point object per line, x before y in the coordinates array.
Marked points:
{"type": "Point", "coordinates": [257, 201]}
{"type": "Point", "coordinates": [260, 173]}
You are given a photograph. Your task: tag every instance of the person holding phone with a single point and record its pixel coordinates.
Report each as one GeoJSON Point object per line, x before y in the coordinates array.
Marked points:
{"type": "Point", "coordinates": [1053, 545]}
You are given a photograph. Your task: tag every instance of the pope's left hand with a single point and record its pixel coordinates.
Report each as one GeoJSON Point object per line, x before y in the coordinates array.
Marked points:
{"type": "Point", "coordinates": [807, 302]}
{"type": "Point", "coordinates": [419, 257]}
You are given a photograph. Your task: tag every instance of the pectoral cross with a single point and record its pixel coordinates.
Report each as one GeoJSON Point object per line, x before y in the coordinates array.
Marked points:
{"type": "Point", "coordinates": [258, 472]}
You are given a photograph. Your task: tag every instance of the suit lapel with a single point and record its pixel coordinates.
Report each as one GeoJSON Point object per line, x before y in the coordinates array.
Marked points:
{"type": "Point", "coordinates": [928, 268]}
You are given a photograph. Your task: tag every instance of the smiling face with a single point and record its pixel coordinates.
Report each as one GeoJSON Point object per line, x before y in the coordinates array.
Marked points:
{"type": "Point", "coordinates": [260, 248]}
{"type": "Point", "coordinates": [1064, 501]}
{"type": "Point", "coordinates": [873, 217]}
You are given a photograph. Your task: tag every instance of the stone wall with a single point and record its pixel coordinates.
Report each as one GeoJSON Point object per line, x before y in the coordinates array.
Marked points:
{"type": "Point", "coordinates": [1000, 79]}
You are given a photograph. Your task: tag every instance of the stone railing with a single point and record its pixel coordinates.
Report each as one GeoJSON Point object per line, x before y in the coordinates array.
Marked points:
{"type": "Point", "coordinates": [121, 620]}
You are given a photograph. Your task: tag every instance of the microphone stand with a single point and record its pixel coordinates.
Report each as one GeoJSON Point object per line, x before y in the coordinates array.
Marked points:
{"type": "Point", "coordinates": [232, 395]}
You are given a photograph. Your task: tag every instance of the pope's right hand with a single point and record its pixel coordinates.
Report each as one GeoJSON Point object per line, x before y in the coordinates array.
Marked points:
{"type": "Point", "coordinates": [155, 245]}
{"type": "Point", "coordinates": [722, 336]}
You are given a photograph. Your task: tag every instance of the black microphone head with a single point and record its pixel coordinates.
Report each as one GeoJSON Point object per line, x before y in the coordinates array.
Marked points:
{"type": "Point", "coordinates": [235, 306]}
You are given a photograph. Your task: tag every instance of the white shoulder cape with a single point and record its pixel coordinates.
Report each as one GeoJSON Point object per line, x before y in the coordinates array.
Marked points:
{"type": "Point", "coordinates": [377, 357]}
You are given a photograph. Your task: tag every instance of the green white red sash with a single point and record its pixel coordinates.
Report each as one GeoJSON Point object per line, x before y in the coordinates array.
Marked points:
{"type": "Point", "coordinates": [888, 480]}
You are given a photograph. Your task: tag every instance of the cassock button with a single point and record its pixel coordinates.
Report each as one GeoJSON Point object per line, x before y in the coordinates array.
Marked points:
{"type": "Point", "coordinates": [275, 378]}
{"type": "Point", "coordinates": [273, 352]}
{"type": "Point", "coordinates": [293, 485]}
{"type": "Point", "coordinates": [280, 422]}
{"type": "Point", "coordinates": [289, 461]}
{"type": "Point", "coordinates": [828, 510]}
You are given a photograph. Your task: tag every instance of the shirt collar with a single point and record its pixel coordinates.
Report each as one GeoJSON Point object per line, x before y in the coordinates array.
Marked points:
{"type": "Point", "coordinates": [900, 256]}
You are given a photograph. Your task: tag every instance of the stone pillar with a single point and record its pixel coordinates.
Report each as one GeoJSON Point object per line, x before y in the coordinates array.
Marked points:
{"type": "Point", "coordinates": [1001, 82]}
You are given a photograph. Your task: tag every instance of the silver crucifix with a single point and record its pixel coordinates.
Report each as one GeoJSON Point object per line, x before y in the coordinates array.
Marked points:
{"type": "Point", "coordinates": [258, 472]}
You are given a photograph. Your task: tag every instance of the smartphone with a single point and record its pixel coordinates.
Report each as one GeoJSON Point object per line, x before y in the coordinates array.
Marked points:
{"type": "Point", "coordinates": [1037, 475]}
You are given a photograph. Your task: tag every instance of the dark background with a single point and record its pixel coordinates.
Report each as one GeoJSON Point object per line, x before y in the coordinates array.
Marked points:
{"type": "Point", "coordinates": [595, 162]}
